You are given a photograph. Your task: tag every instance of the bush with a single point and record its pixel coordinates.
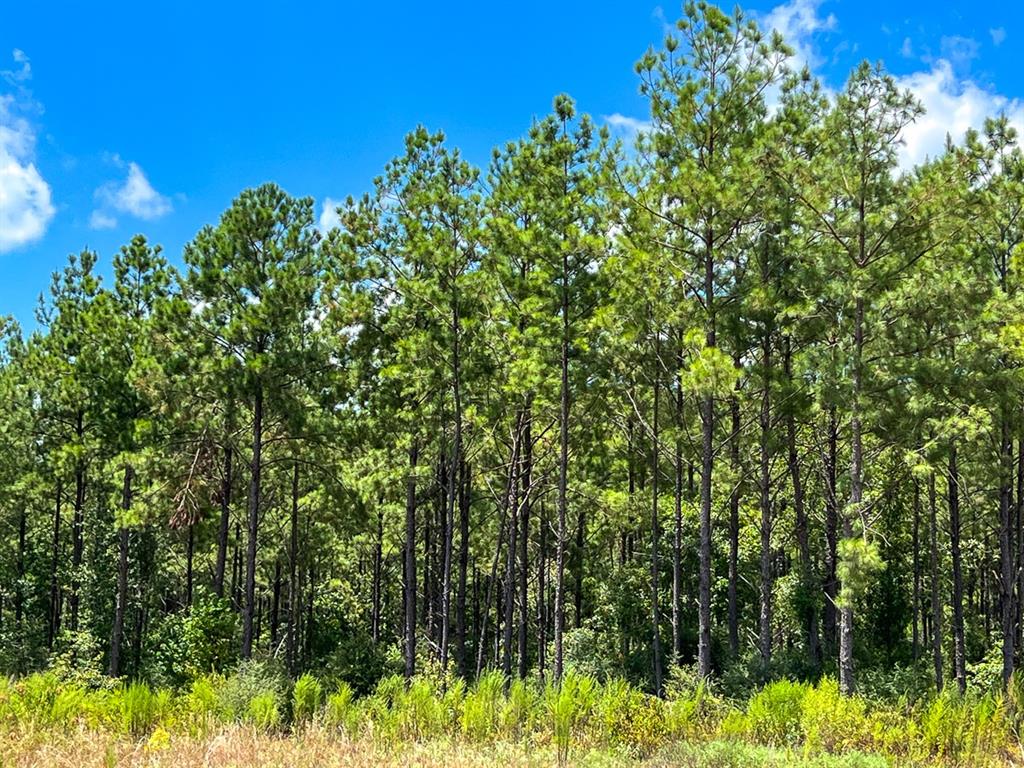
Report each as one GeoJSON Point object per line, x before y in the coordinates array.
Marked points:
{"type": "Point", "coordinates": [263, 712]}
{"type": "Point", "coordinates": [253, 679]}
{"type": "Point", "coordinates": [307, 697]}
{"type": "Point", "coordinates": [773, 714]}
{"type": "Point", "coordinates": [341, 711]}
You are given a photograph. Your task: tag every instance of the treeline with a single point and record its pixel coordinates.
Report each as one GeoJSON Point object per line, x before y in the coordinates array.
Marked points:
{"type": "Point", "coordinates": [745, 394]}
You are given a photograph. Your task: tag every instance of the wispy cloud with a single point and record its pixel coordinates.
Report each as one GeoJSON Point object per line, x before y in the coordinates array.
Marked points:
{"type": "Point", "coordinates": [21, 72]}
{"type": "Point", "coordinates": [952, 105]}
{"type": "Point", "coordinates": [329, 218]}
{"type": "Point", "coordinates": [134, 196]}
{"type": "Point", "coordinates": [26, 207]}
{"type": "Point", "coordinates": [998, 35]}
{"type": "Point", "coordinates": [626, 125]}
{"type": "Point", "coordinates": [800, 23]}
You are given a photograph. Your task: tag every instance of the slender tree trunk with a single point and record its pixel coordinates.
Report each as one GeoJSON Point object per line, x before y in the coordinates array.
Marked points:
{"type": "Point", "coordinates": [254, 522]}
{"type": "Point", "coordinates": [190, 555]}
{"type": "Point", "coordinates": [225, 522]}
{"type": "Point", "coordinates": [707, 465]}
{"type": "Point", "coordinates": [291, 638]}
{"type": "Point", "coordinates": [765, 617]}
{"type": "Point", "coordinates": [542, 600]}
{"type": "Point", "coordinates": [410, 563]}
{"type": "Point", "coordinates": [846, 680]}
{"type": "Point", "coordinates": [916, 547]}
{"type": "Point", "coordinates": [802, 532]}
{"type": "Point", "coordinates": [734, 523]}
{"type": "Point", "coordinates": [53, 620]}
{"type": "Point", "coordinates": [462, 657]}
{"type": "Point", "coordinates": [581, 544]}
{"type": "Point", "coordinates": [933, 578]}
{"type": "Point", "coordinates": [275, 608]}
{"type": "Point", "coordinates": [959, 649]}
{"type": "Point", "coordinates": [831, 581]}
{"type": "Point", "coordinates": [378, 561]}
{"type": "Point", "coordinates": [77, 530]}
{"type": "Point", "coordinates": [121, 599]}
{"type": "Point", "coordinates": [677, 522]}
{"type": "Point", "coordinates": [524, 543]}
{"type": "Point", "coordinates": [508, 597]}
{"type": "Point", "coordinates": [655, 617]}
{"type": "Point", "coordinates": [563, 472]}
{"type": "Point", "coordinates": [19, 588]}
{"type": "Point", "coordinates": [1006, 546]}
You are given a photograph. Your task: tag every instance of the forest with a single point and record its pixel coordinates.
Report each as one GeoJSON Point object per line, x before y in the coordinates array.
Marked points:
{"type": "Point", "coordinates": [684, 439]}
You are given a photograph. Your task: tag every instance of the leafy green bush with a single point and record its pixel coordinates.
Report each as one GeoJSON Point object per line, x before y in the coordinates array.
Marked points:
{"type": "Point", "coordinates": [773, 714]}
{"type": "Point", "coordinates": [307, 697]}
{"type": "Point", "coordinates": [341, 711]}
{"type": "Point", "coordinates": [253, 679]}
{"type": "Point", "coordinates": [263, 711]}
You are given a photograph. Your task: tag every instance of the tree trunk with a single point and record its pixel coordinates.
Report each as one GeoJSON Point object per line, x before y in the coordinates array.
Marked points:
{"type": "Point", "coordinates": [291, 638]}
{"type": "Point", "coordinates": [831, 581]}
{"type": "Point", "coordinates": [225, 522]}
{"type": "Point", "coordinates": [121, 599]}
{"type": "Point", "coordinates": [677, 523]}
{"type": "Point", "coordinates": [524, 543]}
{"type": "Point", "coordinates": [190, 554]}
{"type": "Point", "coordinates": [915, 544]}
{"type": "Point", "coordinates": [254, 522]}
{"type": "Point", "coordinates": [53, 620]}
{"type": "Point", "coordinates": [465, 499]}
{"type": "Point", "coordinates": [1006, 546]}
{"type": "Point", "coordinates": [275, 607]}
{"type": "Point", "coordinates": [734, 523]}
{"type": "Point", "coordinates": [563, 472]}
{"type": "Point", "coordinates": [959, 649]}
{"type": "Point", "coordinates": [77, 531]}
{"type": "Point", "coordinates": [378, 558]}
{"type": "Point", "coordinates": [765, 616]}
{"type": "Point", "coordinates": [846, 681]}
{"type": "Point", "coordinates": [933, 577]}
{"type": "Point", "coordinates": [655, 633]}
{"type": "Point", "coordinates": [410, 562]}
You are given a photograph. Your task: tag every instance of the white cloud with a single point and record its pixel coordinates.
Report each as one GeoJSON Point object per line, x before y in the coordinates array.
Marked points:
{"type": "Point", "coordinates": [26, 207]}
{"type": "Point", "coordinates": [101, 220]}
{"type": "Point", "coordinates": [798, 22]}
{"type": "Point", "coordinates": [952, 106]}
{"type": "Point", "coordinates": [134, 196]}
{"type": "Point", "coordinates": [629, 126]}
{"type": "Point", "coordinates": [20, 73]}
{"type": "Point", "coordinates": [959, 51]}
{"type": "Point", "coordinates": [953, 102]}
{"type": "Point", "coordinates": [329, 218]}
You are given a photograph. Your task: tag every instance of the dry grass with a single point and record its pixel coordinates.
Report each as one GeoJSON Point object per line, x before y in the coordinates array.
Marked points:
{"type": "Point", "coordinates": [244, 747]}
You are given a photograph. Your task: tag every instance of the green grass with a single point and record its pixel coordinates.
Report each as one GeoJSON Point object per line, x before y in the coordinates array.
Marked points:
{"type": "Point", "coordinates": [784, 723]}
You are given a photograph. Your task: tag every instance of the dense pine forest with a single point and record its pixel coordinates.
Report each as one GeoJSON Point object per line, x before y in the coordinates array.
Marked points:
{"type": "Point", "coordinates": [735, 402]}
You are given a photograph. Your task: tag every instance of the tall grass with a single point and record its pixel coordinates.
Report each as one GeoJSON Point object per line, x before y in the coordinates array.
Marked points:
{"type": "Point", "coordinates": [570, 719]}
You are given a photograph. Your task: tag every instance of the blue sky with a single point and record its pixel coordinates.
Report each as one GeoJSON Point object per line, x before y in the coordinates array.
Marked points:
{"type": "Point", "coordinates": [151, 117]}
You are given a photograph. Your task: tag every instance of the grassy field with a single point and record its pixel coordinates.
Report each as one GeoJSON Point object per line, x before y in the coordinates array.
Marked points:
{"type": "Point", "coordinates": [257, 718]}
{"type": "Point", "coordinates": [315, 747]}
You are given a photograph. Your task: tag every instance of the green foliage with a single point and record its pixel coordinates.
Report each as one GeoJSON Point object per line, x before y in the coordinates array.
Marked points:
{"type": "Point", "coordinates": [307, 697]}
{"type": "Point", "coordinates": [255, 679]}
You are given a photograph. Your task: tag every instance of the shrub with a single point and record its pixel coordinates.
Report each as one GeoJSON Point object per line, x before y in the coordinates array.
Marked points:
{"type": "Point", "coordinates": [341, 712]}
{"type": "Point", "coordinates": [141, 708]}
{"type": "Point", "coordinates": [773, 714]}
{"type": "Point", "coordinates": [307, 697]}
{"type": "Point", "coordinates": [254, 678]}
{"type": "Point", "coordinates": [482, 707]}
{"type": "Point", "coordinates": [263, 712]}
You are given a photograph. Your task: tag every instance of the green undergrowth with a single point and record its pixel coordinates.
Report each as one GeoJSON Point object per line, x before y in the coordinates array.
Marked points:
{"type": "Point", "coordinates": [784, 723]}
